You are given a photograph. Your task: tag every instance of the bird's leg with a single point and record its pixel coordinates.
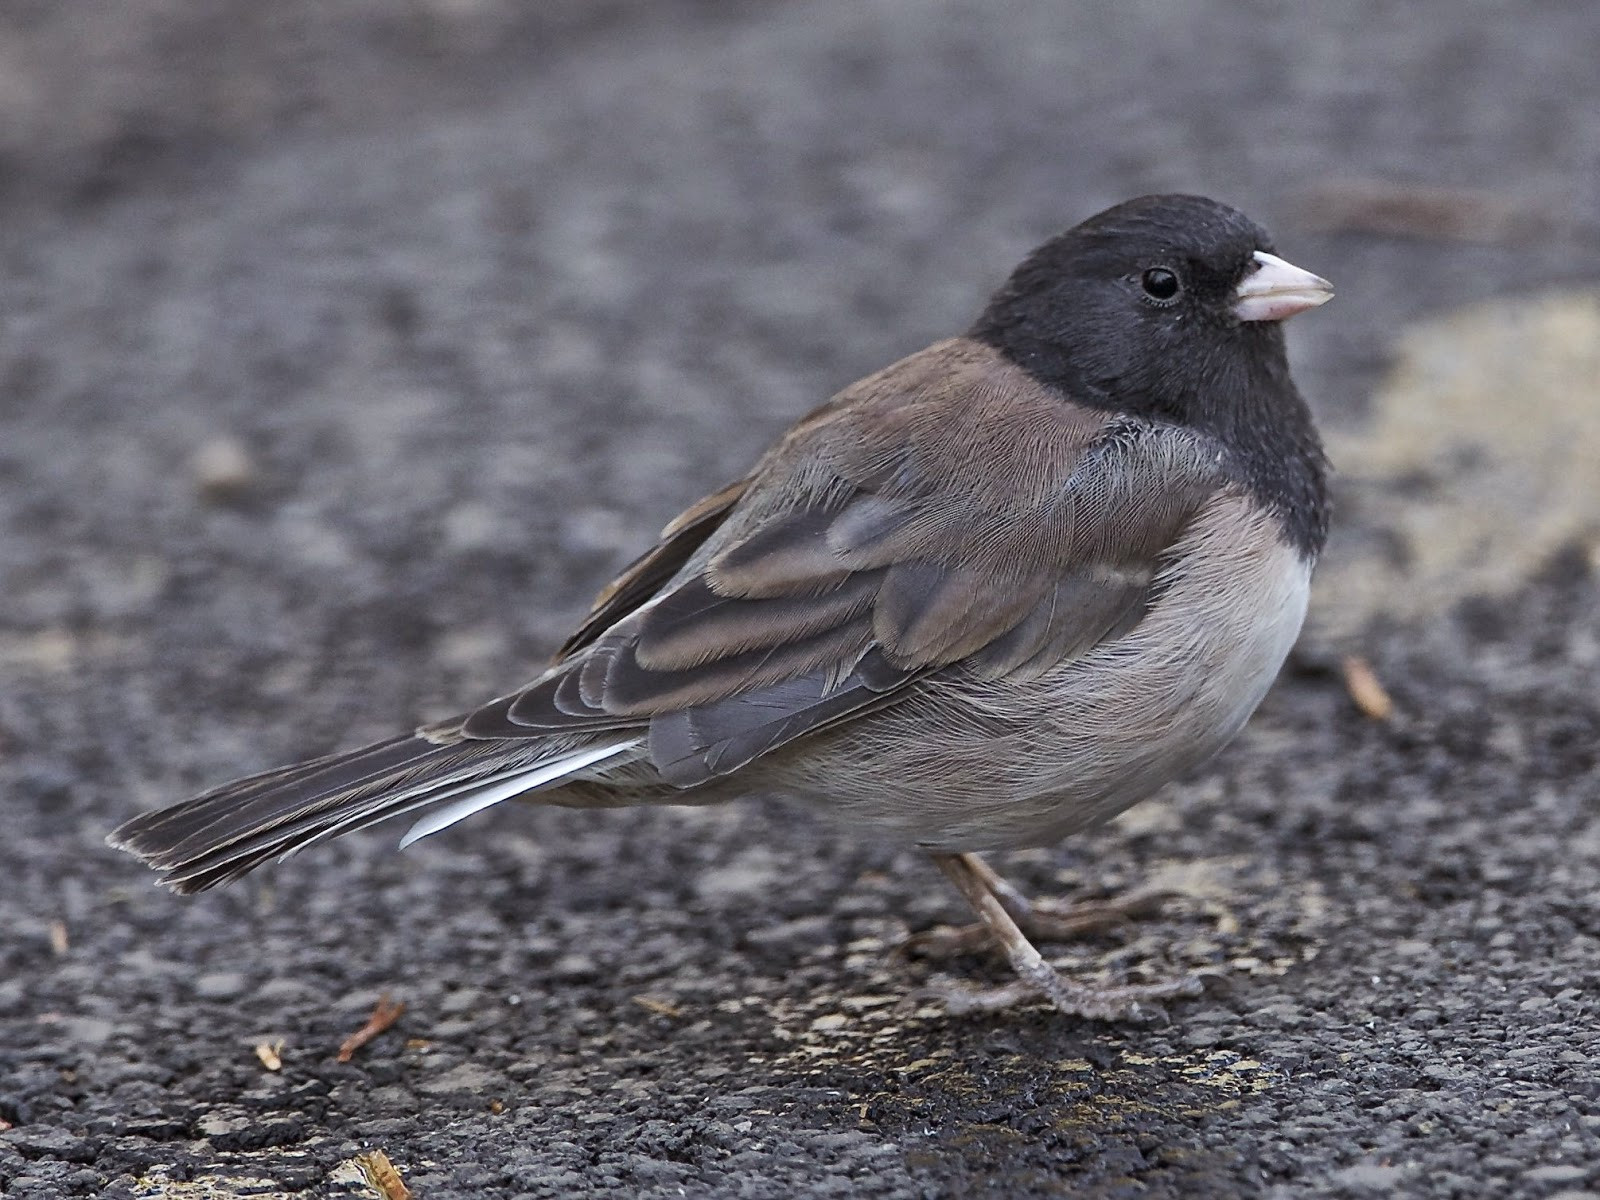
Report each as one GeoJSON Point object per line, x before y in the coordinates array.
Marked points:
{"type": "Point", "coordinates": [1035, 976]}
{"type": "Point", "coordinates": [1040, 920]}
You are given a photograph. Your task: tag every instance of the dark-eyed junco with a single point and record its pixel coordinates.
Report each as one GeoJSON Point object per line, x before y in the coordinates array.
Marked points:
{"type": "Point", "coordinates": [992, 594]}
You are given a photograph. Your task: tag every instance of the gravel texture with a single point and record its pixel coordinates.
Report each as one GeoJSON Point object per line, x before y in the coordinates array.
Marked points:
{"type": "Point", "coordinates": [345, 350]}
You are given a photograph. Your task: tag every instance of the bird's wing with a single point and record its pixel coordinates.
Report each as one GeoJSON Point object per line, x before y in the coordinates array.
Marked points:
{"type": "Point", "coordinates": [947, 513]}
{"type": "Point", "coordinates": [644, 576]}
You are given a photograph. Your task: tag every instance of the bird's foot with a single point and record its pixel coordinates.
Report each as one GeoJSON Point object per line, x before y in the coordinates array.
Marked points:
{"type": "Point", "coordinates": [1039, 921]}
{"type": "Point", "coordinates": [1005, 914]}
{"type": "Point", "coordinates": [1131, 1003]}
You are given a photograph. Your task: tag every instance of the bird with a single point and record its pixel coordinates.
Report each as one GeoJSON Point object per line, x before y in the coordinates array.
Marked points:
{"type": "Point", "coordinates": [982, 599]}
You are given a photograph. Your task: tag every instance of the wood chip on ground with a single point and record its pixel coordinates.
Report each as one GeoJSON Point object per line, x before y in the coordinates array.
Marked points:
{"type": "Point", "coordinates": [270, 1054]}
{"type": "Point", "coordinates": [381, 1174]}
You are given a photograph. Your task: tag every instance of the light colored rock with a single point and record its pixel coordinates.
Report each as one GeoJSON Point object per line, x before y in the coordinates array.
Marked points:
{"type": "Point", "coordinates": [1480, 459]}
{"type": "Point", "coordinates": [224, 471]}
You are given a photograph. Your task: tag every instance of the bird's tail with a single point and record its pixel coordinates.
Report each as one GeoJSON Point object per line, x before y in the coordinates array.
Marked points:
{"type": "Point", "coordinates": [235, 828]}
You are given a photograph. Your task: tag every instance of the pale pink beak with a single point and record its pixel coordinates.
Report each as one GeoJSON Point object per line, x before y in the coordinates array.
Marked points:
{"type": "Point", "coordinates": [1278, 289]}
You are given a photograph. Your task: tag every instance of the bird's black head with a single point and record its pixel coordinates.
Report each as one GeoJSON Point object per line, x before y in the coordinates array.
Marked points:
{"type": "Point", "coordinates": [1170, 308]}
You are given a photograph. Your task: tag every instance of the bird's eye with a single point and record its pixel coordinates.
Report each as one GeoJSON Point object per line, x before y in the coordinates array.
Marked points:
{"type": "Point", "coordinates": [1159, 283]}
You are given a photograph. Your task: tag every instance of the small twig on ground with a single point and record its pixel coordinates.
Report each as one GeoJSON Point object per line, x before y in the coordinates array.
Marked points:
{"type": "Point", "coordinates": [384, 1015]}
{"type": "Point", "coordinates": [660, 1007]}
{"type": "Point", "coordinates": [1375, 206]}
{"type": "Point", "coordinates": [1362, 684]}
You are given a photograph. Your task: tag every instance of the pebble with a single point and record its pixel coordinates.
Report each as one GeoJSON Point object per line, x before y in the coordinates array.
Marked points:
{"type": "Point", "coordinates": [223, 471]}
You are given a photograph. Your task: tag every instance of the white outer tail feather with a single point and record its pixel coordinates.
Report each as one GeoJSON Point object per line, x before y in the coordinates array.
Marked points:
{"type": "Point", "coordinates": [497, 789]}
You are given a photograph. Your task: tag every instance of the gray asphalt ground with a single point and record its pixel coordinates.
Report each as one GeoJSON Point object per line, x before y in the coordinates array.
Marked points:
{"type": "Point", "coordinates": [344, 351]}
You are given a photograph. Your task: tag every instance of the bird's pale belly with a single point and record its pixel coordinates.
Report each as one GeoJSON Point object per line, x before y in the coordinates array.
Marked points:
{"type": "Point", "coordinates": [970, 765]}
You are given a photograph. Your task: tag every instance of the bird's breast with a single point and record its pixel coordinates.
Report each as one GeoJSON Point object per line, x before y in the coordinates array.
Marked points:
{"type": "Point", "coordinates": [970, 764]}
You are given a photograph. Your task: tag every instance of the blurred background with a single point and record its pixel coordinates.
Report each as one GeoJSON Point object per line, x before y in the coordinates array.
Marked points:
{"type": "Point", "coordinates": [345, 350]}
